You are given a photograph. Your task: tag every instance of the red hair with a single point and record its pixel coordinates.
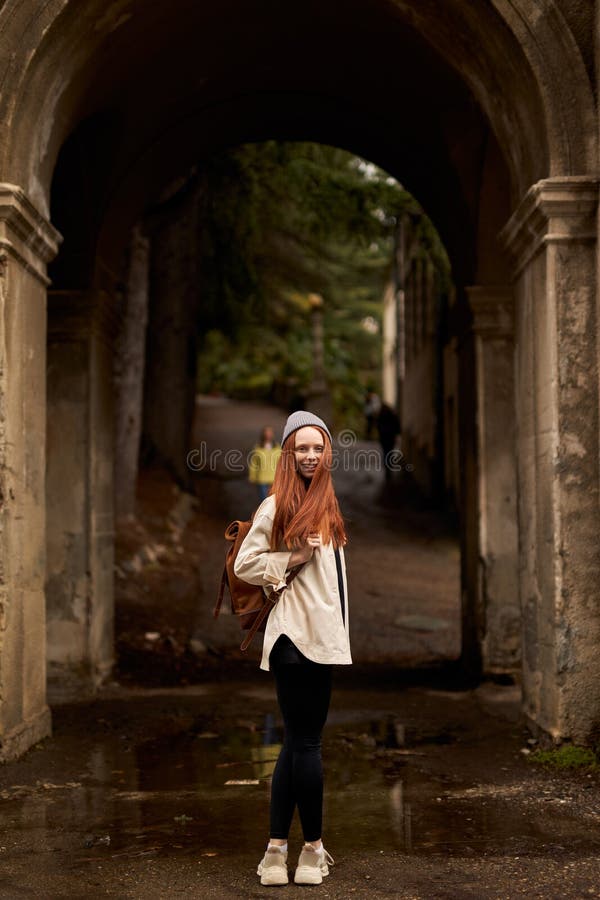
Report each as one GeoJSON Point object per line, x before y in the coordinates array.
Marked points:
{"type": "Point", "coordinates": [299, 510]}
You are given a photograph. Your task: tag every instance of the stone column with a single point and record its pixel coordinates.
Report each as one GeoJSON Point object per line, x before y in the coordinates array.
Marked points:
{"type": "Point", "coordinates": [27, 243]}
{"type": "Point", "coordinates": [129, 359]}
{"type": "Point", "coordinates": [79, 491]}
{"type": "Point", "coordinates": [468, 498]}
{"type": "Point", "coordinates": [552, 239]}
{"type": "Point", "coordinates": [496, 602]}
{"type": "Point", "coordinates": [172, 338]}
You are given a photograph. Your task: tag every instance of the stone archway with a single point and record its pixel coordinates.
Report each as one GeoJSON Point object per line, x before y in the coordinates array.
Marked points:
{"type": "Point", "coordinates": [510, 129]}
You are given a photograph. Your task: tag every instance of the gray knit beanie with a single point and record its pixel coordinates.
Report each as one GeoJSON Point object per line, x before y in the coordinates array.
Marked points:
{"type": "Point", "coordinates": [301, 419]}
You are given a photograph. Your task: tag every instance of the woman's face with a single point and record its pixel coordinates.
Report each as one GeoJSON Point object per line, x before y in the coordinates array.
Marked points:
{"type": "Point", "coordinates": [308, 450]}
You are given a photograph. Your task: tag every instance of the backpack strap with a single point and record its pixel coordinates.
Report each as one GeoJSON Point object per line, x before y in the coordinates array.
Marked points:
{"type": "Point", "coordinates": [268, 606]}
{"type": "Point", "coordinates": [222, 586]}
{"type": "Point", "coordinates": [271, 600]}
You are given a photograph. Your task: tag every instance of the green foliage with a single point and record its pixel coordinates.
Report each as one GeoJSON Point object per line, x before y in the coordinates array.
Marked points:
{"type": "Point", "coordinates": [280, 221]}
{"type": "Point", "coordinates": [246, 367]}
{"type": "Point", "coordinates": [567, 757]}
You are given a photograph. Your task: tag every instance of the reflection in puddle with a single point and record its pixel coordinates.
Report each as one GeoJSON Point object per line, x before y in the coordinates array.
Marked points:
{"type": "Point", "coordinates": [401, 816]}
{"type": "Point", "coordinates": [265, 756]}
{"type": "Point", "coordinates": [201, 792]}
{"type": "Point", "coordinates": [377, 771]}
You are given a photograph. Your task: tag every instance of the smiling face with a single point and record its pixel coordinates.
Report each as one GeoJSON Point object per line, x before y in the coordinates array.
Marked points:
{"type": "Point", "coordinates": [308, 450]}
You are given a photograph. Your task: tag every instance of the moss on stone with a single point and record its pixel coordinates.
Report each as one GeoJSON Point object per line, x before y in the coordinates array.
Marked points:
{"type": "Point", "coordinates": [567, 757]}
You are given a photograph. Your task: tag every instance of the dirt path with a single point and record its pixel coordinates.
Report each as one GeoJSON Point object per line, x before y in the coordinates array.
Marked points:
{"type": "Point", "coordinates": [403, 563]}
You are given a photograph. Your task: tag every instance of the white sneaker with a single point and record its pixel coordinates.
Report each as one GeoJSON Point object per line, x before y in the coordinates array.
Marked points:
{"type": "Point", "coordinates": [273, 867]}
{"type": "Point", "coordinates": [313, 865]}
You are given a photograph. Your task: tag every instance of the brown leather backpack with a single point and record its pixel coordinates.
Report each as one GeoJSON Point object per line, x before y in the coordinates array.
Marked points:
{"type": "Point", "coordinates": [248, 601]}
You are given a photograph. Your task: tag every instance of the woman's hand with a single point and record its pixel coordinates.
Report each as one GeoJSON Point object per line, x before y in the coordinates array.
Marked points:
{"type": "Point", "coordinates": [303, 554]}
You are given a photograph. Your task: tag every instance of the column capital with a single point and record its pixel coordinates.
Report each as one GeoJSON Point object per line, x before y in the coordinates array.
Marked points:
{"type": "Point", "coordinates": [492, 308]}
{"type": "Point", "coordinates": [25, 234]}
{"type": "Point", "coordinates": [553, 211]}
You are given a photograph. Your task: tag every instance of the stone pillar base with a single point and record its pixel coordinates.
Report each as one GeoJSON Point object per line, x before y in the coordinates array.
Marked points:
{"type": "Point", "coordinates": [67, 682]}
{"type": "Point", "coordinates": [27, 733]}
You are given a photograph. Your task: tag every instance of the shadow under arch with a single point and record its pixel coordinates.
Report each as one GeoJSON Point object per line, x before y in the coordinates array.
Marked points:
{"type": "Point", "coordinates": [524, 70]}
{"type": "Point", "coordinates": [451, 195]}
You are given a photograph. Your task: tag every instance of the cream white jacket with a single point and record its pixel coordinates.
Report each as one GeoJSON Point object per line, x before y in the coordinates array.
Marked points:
{"type": "Point", "coordinates": [309, 610]}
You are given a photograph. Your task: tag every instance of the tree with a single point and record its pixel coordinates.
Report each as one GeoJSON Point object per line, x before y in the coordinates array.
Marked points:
{"type": "Point", "coordinates": [280, 221]}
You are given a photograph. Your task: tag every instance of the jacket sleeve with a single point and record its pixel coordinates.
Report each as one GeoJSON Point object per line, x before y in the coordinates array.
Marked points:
{"type": "Point", "coordinates": [256, 563]}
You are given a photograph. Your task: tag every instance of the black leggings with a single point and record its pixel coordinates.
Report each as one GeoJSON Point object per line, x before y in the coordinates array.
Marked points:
{"type": "Point", "coordinates": [303, 692]}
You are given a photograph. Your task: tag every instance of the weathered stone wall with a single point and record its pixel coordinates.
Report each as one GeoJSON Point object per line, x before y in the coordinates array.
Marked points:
{"type": "Point", "coordinates": [420, 418]}
{"type": "Point", "coordinates": [26, 243]}
{"type": "Point", "coordinates": [421, 383]}
{"type": "Point", "coordinates": [451, 430]}
{"type": "Point", "coordinates": [79, 492]}
{"type": "Point", "coordinates": [553, 240]}
{"type": "Point", "coordinates": [129, 364]}
{"type": "Point", "coordinates": [495, 595]}
{"type": "Point", "coordinates": [67, 575]}
{"type": "Point", "coordinates": [171, 347]}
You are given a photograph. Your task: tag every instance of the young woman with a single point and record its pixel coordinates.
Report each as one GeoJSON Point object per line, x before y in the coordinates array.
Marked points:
{"type": "Point", "coordinates": [263, 462]}
{"type": "Point", "coordinates": [300, 525]}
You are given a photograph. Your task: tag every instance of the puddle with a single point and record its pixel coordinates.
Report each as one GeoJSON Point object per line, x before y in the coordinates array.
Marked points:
{"type": "Point", "coordinates": [400, 807]}
{"type": "Point", "coordinates": [199, 792]}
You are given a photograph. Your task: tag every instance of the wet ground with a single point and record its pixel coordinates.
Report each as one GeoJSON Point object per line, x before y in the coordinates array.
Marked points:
{"type": "Point", "coordinates": [152, 791]}
{"type": "Point", "coordinates": [156, 793]}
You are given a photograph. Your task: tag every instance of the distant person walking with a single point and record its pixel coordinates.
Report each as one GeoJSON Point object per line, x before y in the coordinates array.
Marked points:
{"type": "Point", "coordinates": [263, 462]}
{"type": "Point", "coordinates": [300, 525]}
{"type": "Point", "coordinates": [388, 426]}
{"type": "Point", "coordinates": [371, 410]}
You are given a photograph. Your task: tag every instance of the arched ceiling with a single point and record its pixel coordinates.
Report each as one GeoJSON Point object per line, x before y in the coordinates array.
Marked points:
{"type": "Point", "coordinates": [424, 89]}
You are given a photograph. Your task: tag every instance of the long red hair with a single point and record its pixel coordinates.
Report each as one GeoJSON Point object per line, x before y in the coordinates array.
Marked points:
{"type": "Point", "coordinates": [299, 510]}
